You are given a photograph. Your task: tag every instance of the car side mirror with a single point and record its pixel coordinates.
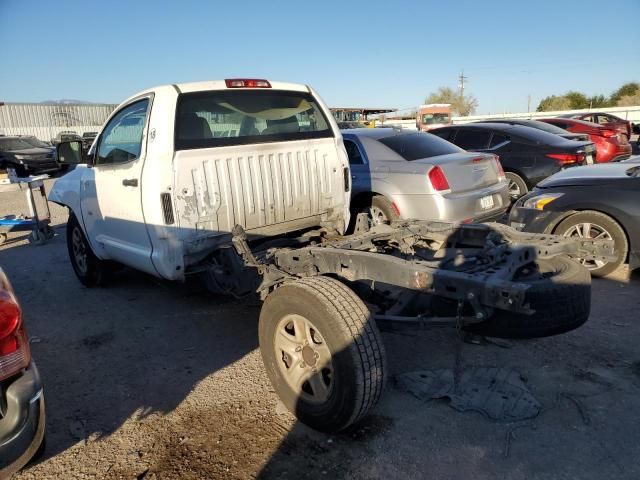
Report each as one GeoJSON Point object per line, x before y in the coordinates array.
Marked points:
{"type": "Point", "coordinates": [70, 153]}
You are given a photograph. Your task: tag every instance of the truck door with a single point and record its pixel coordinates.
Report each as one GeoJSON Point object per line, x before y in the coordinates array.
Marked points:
{"type": "Point", "coordinates": [111, 190]}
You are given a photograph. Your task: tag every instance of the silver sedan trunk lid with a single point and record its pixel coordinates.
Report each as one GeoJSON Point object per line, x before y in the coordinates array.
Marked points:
{"type": "Point", "coordinates": [466, 171]}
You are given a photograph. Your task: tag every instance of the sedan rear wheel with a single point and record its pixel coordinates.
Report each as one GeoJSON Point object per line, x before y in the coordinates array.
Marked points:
{"type": "Point", "coordinates": [381, 210]}
{"type": "Point", "coordinates": [517, 186]}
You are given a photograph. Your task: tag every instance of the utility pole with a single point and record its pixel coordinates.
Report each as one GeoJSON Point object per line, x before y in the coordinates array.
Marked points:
{"type": "Point", "coordinates": [529, 104]}
{"type": "Point", "coordinates": [461, 80]}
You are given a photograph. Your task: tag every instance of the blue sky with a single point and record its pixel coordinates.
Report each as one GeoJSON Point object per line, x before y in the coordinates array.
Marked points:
{"type": "Point", "coordinates": [354, 53]}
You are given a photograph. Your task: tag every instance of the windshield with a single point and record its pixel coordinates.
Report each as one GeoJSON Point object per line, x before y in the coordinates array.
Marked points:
{"type": "Point", "coordinates": [14, 144]}
{"type": "Point", "coordinates": [33, 141]}
{"type": "Point", "coordinates": [435, 118]}
{"type": "Point", "coordinates": [546, 127]}
{"type": "Point", "coordinates": [222, 118]}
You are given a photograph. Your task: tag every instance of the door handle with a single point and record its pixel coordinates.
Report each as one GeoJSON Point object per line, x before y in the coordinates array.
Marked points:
{"type": "Point", "coordinates": [130, 182]}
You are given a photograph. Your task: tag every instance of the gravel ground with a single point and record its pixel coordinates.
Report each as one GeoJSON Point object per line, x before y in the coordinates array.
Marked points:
{"type": "Point", "coordinates": [147, 379]}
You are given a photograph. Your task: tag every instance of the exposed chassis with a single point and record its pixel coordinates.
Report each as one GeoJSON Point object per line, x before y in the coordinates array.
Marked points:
{"type": "Point", "coordinates": [473, 263]}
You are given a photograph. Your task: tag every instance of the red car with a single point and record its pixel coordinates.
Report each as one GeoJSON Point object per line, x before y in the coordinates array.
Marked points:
{"type": "Point", "coordinates": [22, 415]}
{"type": "Point", "coordinates": [611, 145]}
{"type": "Point", "coordinates": [605, 119]}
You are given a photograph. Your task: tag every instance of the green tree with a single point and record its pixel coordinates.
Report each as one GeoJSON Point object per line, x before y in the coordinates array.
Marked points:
{"type": "Point", "coordinates": [630, 88]}
{"type": "Point", "coordinates": [462, 106]}
{"type": "Point", "coordinates": [577, 100]}
{"type": "Point", "coordinates": [599, 101]}
{"type": "Point", "coordinates": [629, 100]}
{"type": "Point", "coordinates": [553, 103]}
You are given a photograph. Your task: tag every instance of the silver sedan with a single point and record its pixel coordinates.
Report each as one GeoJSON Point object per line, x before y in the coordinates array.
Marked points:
{"type": "Point", "coordinates": [406, 174]}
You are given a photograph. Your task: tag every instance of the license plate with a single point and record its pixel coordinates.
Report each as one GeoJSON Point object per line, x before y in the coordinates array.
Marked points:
{"type": "Point", "coordinates": [589, 158]}
{"type": "Point", "coordinates": [486, 202]}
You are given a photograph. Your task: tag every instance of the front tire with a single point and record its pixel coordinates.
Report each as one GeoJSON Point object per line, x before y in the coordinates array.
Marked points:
{"type": "Point", "coordinates": [590, 224]}
{"type": "Point", "coordinates": [322, 352]}
{"type": "Point", "coordinates": [90, 270]}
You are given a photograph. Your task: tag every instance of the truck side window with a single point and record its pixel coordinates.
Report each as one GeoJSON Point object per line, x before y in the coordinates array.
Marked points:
{"type": "Point", "coordinates": [121, 139]}
{"type": "Point", "coordinates": [353, 152]}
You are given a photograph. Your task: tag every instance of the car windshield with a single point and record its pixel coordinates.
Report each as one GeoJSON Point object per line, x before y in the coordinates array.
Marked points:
{"type": "Point", "coordinates": [13, 144]}
{"type": "Point", "coordinates": [546, 127]}
{"type": "Point", "coordinates": [222, 118]}
{"type": "Point", "coordinates": [435, 118]}
{"type": "Point", "coordinates": [34, 142]}
{"type": "Point", "coordinates": [414, 146]}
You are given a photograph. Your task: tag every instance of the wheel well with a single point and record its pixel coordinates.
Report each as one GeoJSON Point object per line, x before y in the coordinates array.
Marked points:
{"type": "Point", "coordinates": [588, 210]}
{"type": "Point", "coordinates": [363, 199]}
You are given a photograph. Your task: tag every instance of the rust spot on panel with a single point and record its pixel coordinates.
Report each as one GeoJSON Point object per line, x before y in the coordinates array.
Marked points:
{"type": "Point", "coordinates": [420, 280]}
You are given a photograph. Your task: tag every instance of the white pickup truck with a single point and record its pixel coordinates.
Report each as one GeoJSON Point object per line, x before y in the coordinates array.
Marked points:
{"type": "Point", "coordinates": [246, 184]}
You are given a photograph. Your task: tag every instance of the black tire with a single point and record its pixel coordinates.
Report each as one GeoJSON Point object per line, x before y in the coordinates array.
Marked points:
{"type": "Point", "coordinates": [93, 271]}
{"type": "Point", "coordinates": [381, 210]}
{"type": "Point", "coordinates": [516, 182]}
{"type": "Point", "coordinates": [599, 222]}
{"type": "Point", "coordinates": [561, 298]}
{"type": "Point", "coordinates": [345, 326]}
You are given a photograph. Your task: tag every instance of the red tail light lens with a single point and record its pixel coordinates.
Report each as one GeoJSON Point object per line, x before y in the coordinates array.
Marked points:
{"type": "Point", "coordinates": [567, 158]}
{"type": "Point", "coordinates": [247, 83]}
{"type": "Point", "coordinates": [501, 175]}
{"type": "Point", "coordinates": [14, 344]}
{"type": "Point", "coordinates": [438, 179]}
{"type": "Point", "coordinates": [608, 133]}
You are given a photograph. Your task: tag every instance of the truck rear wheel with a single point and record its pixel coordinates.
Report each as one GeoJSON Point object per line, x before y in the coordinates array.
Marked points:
{"type": "Point", "coordinates": [322, 352]}
{"type": "Point", "coordinates": [560, 294]}
{"type": "Point", "coordinates": [90, 270]}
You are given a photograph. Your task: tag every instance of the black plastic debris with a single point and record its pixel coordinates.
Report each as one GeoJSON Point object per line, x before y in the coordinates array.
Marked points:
{"type": "Point", "coordinates": [497, 393]}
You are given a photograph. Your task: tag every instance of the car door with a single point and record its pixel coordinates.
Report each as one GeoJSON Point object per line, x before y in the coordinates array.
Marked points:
{"type": "Point", "coordinates": [111, 191]}
{"type": "Point", "coordinates": [359, 165]}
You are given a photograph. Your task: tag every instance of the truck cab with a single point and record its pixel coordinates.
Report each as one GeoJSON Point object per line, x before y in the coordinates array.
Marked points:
{"type": "Point", "coordinates": [433, 115]}
{"type": "Point", "coordinates": [176, 167]}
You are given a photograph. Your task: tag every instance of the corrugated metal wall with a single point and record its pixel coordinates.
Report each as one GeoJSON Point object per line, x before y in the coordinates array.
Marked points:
{"type": "Point", "coordinates": [46, 121]}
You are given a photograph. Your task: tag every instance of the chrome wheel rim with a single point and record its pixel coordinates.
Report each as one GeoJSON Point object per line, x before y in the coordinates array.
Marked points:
{"type": "Point", "coordinates": [79, 251]}
{"type": "Point", "coordinates": [304, 359]}
{"type": "Point", "coordinates": [589, 230]}
{"type": "Point", "coordinates": [377, 216]}
{"type": "Point", "coordinates": [514, 189]}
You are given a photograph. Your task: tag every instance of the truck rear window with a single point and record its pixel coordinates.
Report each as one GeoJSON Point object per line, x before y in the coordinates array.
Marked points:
{"type": "Point", "coordinates": [414, 146]}
{"type": "Point", "coordinates": [238, 117]}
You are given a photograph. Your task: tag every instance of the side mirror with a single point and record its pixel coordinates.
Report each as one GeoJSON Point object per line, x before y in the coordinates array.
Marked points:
{"type": "Point", "coordinates": [70, 153]}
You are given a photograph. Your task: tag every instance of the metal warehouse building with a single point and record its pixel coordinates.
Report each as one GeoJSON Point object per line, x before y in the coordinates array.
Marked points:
{"type": "Point", "coordinates": [45, 121]}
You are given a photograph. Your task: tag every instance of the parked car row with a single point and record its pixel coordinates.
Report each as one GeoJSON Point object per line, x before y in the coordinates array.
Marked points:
{"type": "Point", "coordinates": [474, 172]}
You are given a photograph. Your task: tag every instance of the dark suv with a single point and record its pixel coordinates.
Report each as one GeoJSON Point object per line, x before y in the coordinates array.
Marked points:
{"type": "Point", "coordinates": [24, 158]}
{"type": "Point", "coordinates": [528, 155]}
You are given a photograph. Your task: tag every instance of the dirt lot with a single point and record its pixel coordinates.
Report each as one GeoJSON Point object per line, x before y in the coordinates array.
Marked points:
{"type": "Point", "coordinates": [146, 379]}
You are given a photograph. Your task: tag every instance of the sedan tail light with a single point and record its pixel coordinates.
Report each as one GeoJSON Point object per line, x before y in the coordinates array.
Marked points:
{"type": "Point", "coordinates": [567, 158]}
{"type": "Point", "coordinates": [438, 179]}
{"type": "Point", "coordinates": [14, 344]}
{"type": "Point", "coordinates": [501, 175]}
